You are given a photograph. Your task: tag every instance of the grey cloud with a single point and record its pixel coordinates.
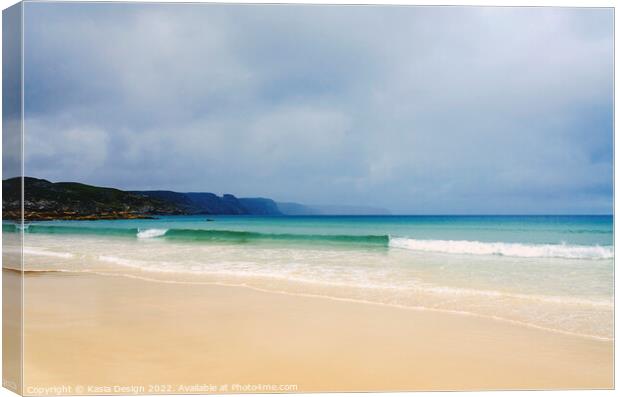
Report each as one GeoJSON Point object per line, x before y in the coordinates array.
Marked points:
{"type": "Point", "coordinates": [418, 109]}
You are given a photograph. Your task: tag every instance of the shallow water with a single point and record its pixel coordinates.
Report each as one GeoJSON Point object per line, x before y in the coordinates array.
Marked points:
{"type": "Point", "coordinates": [548, 272]}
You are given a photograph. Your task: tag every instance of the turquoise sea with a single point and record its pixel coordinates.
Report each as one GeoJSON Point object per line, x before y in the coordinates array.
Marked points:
{"type": "Point", "coordinates": [551, 272]}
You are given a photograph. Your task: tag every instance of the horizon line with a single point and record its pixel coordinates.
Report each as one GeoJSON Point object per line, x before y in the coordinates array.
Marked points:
{"type": "Point", "coordinates": [344, 205]}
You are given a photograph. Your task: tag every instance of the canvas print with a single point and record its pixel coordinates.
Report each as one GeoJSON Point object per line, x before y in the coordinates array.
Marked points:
{"type": "Point", "coordinates": [232, 198]}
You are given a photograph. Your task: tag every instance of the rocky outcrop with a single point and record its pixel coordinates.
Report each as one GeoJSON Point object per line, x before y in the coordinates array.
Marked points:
{"type": "Point", "coordinates": [45, 200]}
{"type": "Point", "coordinates": [260, 206]}
{"type": "Point", "coordinates": [211, 204]}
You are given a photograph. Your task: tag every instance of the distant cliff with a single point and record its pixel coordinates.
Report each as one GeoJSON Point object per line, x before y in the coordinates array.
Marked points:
{"type": "Point", "coordinates": [45, 200]}
{"type": "Point", "coordinates": [209, 203]}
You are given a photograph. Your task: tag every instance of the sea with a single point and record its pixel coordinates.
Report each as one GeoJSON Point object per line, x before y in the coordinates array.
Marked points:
{"type": "Point", "coordinates": [547, 272]}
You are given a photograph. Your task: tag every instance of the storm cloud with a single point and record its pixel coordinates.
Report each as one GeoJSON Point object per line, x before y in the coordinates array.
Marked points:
{"type": "Point", "coordinates": [415, 109]}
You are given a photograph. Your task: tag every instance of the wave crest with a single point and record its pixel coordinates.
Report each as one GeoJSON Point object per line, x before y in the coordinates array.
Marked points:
{"type": "Point", "coordinates": [455, 247]}
{"type": "Point", "coordinates": [151, 233]}
{"type": "Point", "coordinates": [505, 249]}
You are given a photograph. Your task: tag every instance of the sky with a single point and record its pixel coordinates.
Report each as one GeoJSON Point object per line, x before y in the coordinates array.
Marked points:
{"type": "Point", "coordinates": [420, 110]}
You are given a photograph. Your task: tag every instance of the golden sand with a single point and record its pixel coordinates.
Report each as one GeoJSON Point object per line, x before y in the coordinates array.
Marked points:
{"type": "Point", "coordinates": [109, 334]}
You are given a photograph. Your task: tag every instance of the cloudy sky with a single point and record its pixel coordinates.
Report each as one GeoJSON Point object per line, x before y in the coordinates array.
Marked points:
{"type": "Point", "coordinates": [414, 109]}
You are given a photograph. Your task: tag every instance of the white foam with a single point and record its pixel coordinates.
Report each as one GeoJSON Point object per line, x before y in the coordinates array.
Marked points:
{"type": "Point", "coordinates": [364, 301]}
{"type": "Point", "coordinates": [151, 233]}
{"type": "Point", "coordinates": [42, 252]}
{"type": "Point", "coordinates": [396, 278]}
{"type": "Point", "coordinates": [136, 264]}
{"type": "Point", "coordinates": [495, 294]}
{"type": "Point", "coordinates": [506, 249]}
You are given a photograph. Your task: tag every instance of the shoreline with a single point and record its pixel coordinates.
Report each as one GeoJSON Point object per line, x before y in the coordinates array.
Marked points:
{"type": "Point", "coordinates": [406, 349]}
{"type": "Point", "coordinates": [449, 312]}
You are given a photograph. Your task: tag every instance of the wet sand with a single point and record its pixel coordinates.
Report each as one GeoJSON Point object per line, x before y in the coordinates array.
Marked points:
{"type": "Point", "coordinates": [98, 333]}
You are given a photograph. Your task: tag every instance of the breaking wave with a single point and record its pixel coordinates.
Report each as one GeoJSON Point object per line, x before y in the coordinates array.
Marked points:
{"type": "Point", "coordinates": [455, 247]}
{"type": "Point", "coordinates": [505, 249]}
{"type": "Point", "coordinates": [151, 233]}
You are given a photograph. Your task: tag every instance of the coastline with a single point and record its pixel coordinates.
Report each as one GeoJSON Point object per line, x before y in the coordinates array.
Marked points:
{"type": "Point", "coordinates": [564, 288]}
{"type": "Point", "coordinates": [184, 334]}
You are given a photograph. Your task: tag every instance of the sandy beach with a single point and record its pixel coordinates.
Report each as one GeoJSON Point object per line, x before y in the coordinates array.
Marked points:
{"type": "Point", "coordinates": [105, 333]}
{"type": "Point", "coordinates": [277, 198]}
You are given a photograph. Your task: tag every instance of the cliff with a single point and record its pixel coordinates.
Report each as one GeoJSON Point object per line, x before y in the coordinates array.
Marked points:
{"type": "Point", "coordinates": [45, 200]}
{"type": "Point", "coordinates": [209, 203]}
{"type": "Point", "coordinates": [261, 206]}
